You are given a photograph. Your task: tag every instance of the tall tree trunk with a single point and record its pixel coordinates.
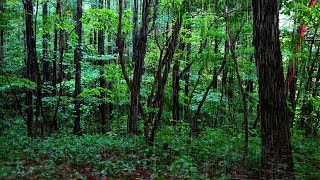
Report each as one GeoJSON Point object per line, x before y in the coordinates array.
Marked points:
{"type": "Point", "coordinates": [276, 156]}
{"type": "Point", "coordinates": [176, 88]}
{"type": "Point", "coordinates": [31, 63]}
{"type": "Point", "coordinates": [139, 51]}
{"type": "Point", "coordinates": [109, 106]}
{"type": "Point", "coordinates": [45, 40]}
{"type": "Point", "coordinates": [45, 61]}
{"type": "Point", "coordinates": [1, 33]}
{"type": "Point", "coordinates": [306, 108]}
{"type": "Point", "coordinates": [161, 78]}
{"type": "Point", "coordinates": [54, 123]}
{"type": "Point", "coordinates": [77, 59]}
{"type": "Point", "coordinates": [102, 106]}
{"type": "Point", "coordinates": [242, 90]}
{"type": "Point", "coordinates": [55, 51]}
{"type": "Point", "coordinates": [187, 75]}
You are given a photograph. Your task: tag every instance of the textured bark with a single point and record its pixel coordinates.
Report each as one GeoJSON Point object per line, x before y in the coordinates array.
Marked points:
{"type": "Point", "coordinates": [55, 51]}
{"type": "Point", "coordinates": [188, 68]}
{"type": "Point", "coordinates": [45, 40]}
{"type": "Point", "coordinates": [61, 51]}
{"type": "Point", "coordinates": [176, 88]}
{"type": "Point", "coordinates": [120, 46]}
{"type": "Point", "coordinates": [102, 106]}
{"type": "Point", "coordinates": [161, 78]}
{"type": "Point", "coordinates": [31, 63]}
{"type": "Point", "coordinates": [1, 33]}
{"type": "Point", "coordinates": [109, 106]}
{"type": "Point", "coordinates": [175, 92]}
{"type": "Point", "coordinates": [139, 51]}
{"type": "Point", "coordinates": [45, 61]}
{"type": "Point", "coordinates": [276, 157]}
{"type": "Point", "coordinates": [77, 59]}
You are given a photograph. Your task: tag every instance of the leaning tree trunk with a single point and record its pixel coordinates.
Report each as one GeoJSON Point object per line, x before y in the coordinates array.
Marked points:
{"type": "Point", "coordinates": [276, 157]}
{"type": "Point", "coordinates": [77, 59]}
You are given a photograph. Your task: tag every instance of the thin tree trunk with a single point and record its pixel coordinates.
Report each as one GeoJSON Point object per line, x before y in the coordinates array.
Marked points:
{"type": "Point", "coordinates": [45, 62]}
{"type": "Point", "coordinates": [243, 92]}
{"type": "Point", "coordinates": [306, 109]}
{"type": "Point", "coordinates": [2, 33]}
{"type": "Point", "coordinates": [176, 89]}
{"type": "Point", "coordinates": [276, 155]}
{"type": "Point", "coordinates": [162, 78]}
{"type": "Point", "coordinates": [54, 124]}
{"type": "Point", "coordinates": [291, 86]}
{"type": "Point", "coordinates": [316, 84]}
{"type": "Point", "coordinates": [45, 40]}
{"type": "Point", "coordinates": [77, 59]}
{"type": "Point", "coordinates": [102, 106]}
{"type": "Point", "coordinates": [55, 52]}
{"type": "Point", "coordinates": [194, 124]}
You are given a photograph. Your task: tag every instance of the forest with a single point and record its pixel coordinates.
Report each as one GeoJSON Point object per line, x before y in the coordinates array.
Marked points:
{"type": "Point", "coordinates": [159, 89]}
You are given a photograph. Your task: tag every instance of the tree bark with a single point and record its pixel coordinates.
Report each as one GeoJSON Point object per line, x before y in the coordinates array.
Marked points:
{"type": "Point", "coordinates": [45, 61]}
{"type": "Point", "coordinates": [102, 106]}
{"type": "Point", "coordinates": [161, 78]}
{"type": "Point", "coordinates": [139, 51]}
{"type": "Point", "coordinates": [45, 40]}
{"type": "Point", "coordinates": [1, 33]}
{"type": "Point", "coordinates": [77, 59]}
{"type": "Point", "coordinates": [176, 88]}
{"type": "Point", "coordinates": [31, 63]}
{"type": "Point", "coordinates": [276, 157]}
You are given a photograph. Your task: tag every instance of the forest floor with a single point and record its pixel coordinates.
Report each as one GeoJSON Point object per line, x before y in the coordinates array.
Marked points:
{"type": "Point", "coordinates": [213, 155]}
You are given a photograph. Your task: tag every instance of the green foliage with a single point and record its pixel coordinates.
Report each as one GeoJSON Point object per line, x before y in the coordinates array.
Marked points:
{"type": "Point", "coordinates": [213, 154]}
{"type": "Point", "coordinates": [12, 83]}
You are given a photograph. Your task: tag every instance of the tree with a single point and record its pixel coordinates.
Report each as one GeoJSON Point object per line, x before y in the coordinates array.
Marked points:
{"type": "Point", "coordinates": [45, 40]}
{"type": "Point", "coordinates": [1, 32]}
{"type": "Point", "coordinates": [276, 157]}
{"type": "Point", "coordinates": [77, 59]}
{"type": "Point", "coordinates": [102, 106]}
{"type": "Point", "coordinates": [31, 62]}
{"type": "Point", "coordinates": [139, 51]}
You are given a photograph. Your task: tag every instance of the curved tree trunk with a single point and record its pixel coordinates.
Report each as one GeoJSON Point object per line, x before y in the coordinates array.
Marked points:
{"type": "Point", "coordinates": [276, 157]}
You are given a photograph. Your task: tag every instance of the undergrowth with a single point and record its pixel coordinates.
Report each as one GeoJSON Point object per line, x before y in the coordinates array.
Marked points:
{"type": "Point", "coordinates": [213, 155]}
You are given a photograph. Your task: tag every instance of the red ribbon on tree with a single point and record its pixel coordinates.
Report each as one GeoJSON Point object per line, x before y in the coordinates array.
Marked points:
{"type": "Point", "coordinates": [312, 3]}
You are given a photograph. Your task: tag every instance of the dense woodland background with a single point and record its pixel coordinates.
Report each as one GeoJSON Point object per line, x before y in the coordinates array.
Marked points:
{"type": "Point", "coordinates": [159, 89]}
